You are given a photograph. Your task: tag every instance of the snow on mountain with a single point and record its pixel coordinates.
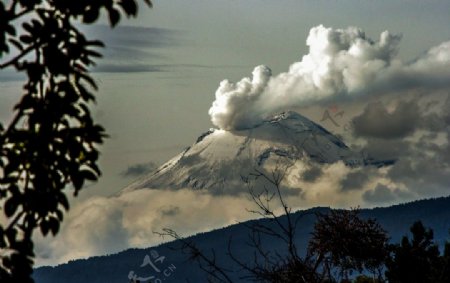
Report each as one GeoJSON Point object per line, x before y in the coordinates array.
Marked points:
{"type": "Point", "coordinates": [219, 159]}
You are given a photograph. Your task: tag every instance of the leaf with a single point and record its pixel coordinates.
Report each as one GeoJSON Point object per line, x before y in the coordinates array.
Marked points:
{"type": "Point", "coordinates": [149, 3]}
{"type": "Point", "coordinates": [53, 225]}
{"type": "Point", "coordinates": [89, 175]}
{"type": "Point", "coordinates": [114, 17]}
{"type": "Point", "coordinates": [93, 53]}
{"type": "Point", "coordinates": [11, 235]}
{"type": "Point", "coordinates": [16, 43]}
{"type": "Point", "coordinates": [77, 182]}
{"type": "Point", "coordinates": [2, 235]}
{"type": "Point", "coordinates": [96, 169]}
{"type": "Point", "coordinates": [85, 94]}
{"type": "Point", "coordinates": [10, 30]}
{"type": "Point", "coordinates": [63, 201]}
{"type": "Point", "coordinates": [60, 215]}
{"type": "Point", "coordinates": [129, 7]}
{"type": "Point", "coordinates": [88, 79]}
{"type": "Point", "coordinates": [11, 206]}
{"type": "Point", "coordinates": [98, 43]}
{"type": "Point", "coordinates": [28, 27]}
{"type": "Point", "coordinates": [26, 39]}
{"type": "Point", "coordinates": [45, 228]}
{"type": "Point", "coordinates": [90, 15]}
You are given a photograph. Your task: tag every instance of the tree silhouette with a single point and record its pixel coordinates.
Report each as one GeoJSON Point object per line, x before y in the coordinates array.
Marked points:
{"type": "Point", "coordinates": [416, 260]}
{"type": "Point", "coordinates": [342, 241]}
{"type": "Point", "coordinates": [51, 143]}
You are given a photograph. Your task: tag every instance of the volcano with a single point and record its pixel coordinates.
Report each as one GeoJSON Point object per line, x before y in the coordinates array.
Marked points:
{"type": "Point", "coordinates": [219, 160]}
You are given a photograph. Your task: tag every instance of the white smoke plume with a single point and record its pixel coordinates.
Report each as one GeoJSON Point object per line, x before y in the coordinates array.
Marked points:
{"type": "Point", "coordinates": [340, 63]}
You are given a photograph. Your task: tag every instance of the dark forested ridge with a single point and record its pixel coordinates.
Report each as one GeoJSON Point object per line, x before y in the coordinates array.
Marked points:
{"type": "Point", "coordinates": [162, 264]}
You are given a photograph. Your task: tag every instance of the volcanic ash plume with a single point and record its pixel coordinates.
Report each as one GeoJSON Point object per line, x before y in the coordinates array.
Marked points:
{"type": "Point", "coordinates": [340, 63]}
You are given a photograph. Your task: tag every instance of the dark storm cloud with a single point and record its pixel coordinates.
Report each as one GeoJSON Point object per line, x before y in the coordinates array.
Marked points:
{"type": "Point", "coordinates": [380, 149]}
{"type": "Point", "coordinates": [377, 122]}
{"type": "Point", "coordinates": [354, 180]}
{"type": "Point", "coordinates": [422, 173]}
{"type": "Point", "coordinates": [415, 133]}
{"type": "Point", "coordinates": [422, 167]}
{"type": "Point", "coordinates": [311, 174]}
{"type": "Point", "coordinates": [138, 169]}
{"type": "Point", "coordinates": [437, 122]}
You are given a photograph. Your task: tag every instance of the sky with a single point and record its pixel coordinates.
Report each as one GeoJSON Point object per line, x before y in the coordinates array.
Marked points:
{"type": "Point", "coordinates": [162, 72]}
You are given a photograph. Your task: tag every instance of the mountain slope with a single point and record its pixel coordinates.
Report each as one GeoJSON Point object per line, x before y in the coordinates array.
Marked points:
{"type": "Point", "coordinates": [434, 213]}
{"type": "Point", "coordinates": [219, 159]}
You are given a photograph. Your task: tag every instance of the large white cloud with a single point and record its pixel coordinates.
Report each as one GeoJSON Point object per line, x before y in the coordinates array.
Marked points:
{"type": "Point", "coordinates": [341, 63]}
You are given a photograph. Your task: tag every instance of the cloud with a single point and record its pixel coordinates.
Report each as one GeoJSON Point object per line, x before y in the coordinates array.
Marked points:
{"type": "Point", "coordinates": [422, 149]}
{"type": "Point", "coordinates": [232, 99]}
{"type": "Point", "coordinates": [170, 210]}
{"type": "Point", "coordinates": [382, 194]}
{"type": "Point", "coordinates": [123, 37]}
{"type": "Point", "coordinates": [377, 122]}
{"type": "Point", "coordinates": [137, 170]}
{"type": "Point", "coordinates": [354, 180]}
{"type": "Point", "coordinates": [381, 149]}
{"type": "Point", "coordinates": [132, 48]}
{"type": "Point", "coordinates": [127, 68]}
{"type": "Point", "coordinates": [312, 174]}
{"type": "Point", "coordinates": [102, 225]}
{"type": "Point", "coordinates": [341, 64]}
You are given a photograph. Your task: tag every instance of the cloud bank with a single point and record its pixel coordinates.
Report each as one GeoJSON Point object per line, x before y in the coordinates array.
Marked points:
{"type": "Point", "coordinates": [341, 64]}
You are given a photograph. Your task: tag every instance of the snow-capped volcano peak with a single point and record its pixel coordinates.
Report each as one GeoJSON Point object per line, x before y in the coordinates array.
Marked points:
{"type": "Point", "coordinates": [219, 158]}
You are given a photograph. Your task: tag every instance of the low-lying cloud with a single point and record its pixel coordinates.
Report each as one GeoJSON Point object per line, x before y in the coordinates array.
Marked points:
{"type": "Point", "coordinates": [104, 225]}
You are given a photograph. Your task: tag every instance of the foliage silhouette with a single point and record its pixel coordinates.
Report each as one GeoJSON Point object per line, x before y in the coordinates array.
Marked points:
{"type": "Point", "coordinates": [418, 260]}
{"type": "Point", "coordinates": [343, 241]}
{"type": "Point", "coordinates": [51, 142]}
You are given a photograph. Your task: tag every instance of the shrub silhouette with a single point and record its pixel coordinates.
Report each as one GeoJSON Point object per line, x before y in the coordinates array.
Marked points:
{"type": "Point", "coordinates": [51, 142]}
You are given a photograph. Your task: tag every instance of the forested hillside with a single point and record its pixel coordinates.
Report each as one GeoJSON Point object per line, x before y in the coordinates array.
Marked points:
{"type": "Point", "coordinates": [170, 265]}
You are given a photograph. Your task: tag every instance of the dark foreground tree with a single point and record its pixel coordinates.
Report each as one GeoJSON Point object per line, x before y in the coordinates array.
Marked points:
{"type": "Point", "coordinates": [51, 142]}
{"type": "Point", "coordinates": [418, 260]}
{"type": "Point", "coordinates": [344, 242]}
